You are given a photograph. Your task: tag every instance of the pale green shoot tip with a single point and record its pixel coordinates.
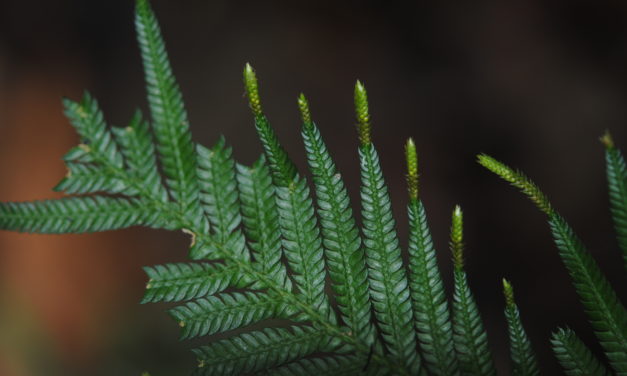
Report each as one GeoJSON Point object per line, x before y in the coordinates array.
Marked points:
{"type": "Point", "coordinates": [412, 168]}
{"type": "Point", "coordinates": [508, 291]}
{"type": "Point", "coordinates": [252, 90]}
{"type": "Point", "coordinates": [303, 106]}
{"type": "Point", "coordinates": [362, 114]}
{"type": "Point", "coordinates": [457, 237]}
{"type": "Point", "coordinates": [607, 140]}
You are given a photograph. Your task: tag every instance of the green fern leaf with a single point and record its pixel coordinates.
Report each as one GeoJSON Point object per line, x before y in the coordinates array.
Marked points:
{"type": "Point", "coordinates": [259, 350]}
{"type": "Point", "coordinates": [574, 356]}
{"type": "Point", "coordinates": [471, 339]}
{"type": "Point", "coordinates": [227, 311]}
{"type": "Point", "coordinates": [76, 215]}
{"type": "Point", "coordinates": [88, 178]}
{"type": "Point", "coordinates": [261, 220]}
{"type": "Point", "coordinates": [218, 186]}
{"type": "Point", "coordinates": [605, 311]}
{"type": "Point", "coordinates": [89, 122]}
{"type": "Point", "coordinates": [524, 361]}
{"type": "Point", "coordinates": [430, 307]}
{"type": "Point", "coordinates": [344, 255]}
{"type": "Point", "coordinates": [174, 140]}
{"type": "Point", "coordinates": [327, 366]}
{"type": "Point", "coordinates": [186, 281]}
{"type": "Point", "coordinates": [617, 184]}
{"type": "Point", "coordinates": [386, 273]}
{"type": "Point", "coordinates": [138, 148]}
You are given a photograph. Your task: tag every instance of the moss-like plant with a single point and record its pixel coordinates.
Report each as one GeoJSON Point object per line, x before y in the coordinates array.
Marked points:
{"type": "Point", "coordinates": [263, 248]}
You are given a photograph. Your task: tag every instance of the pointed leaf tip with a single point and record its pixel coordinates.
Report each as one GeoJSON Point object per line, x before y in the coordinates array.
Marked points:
{"type": "Point", "coordinates": [412, 169]}
{"type": "Point", "coordinates": [508, 291]}
{"type": "Point", "coordinates": [607, 140]}
{"type": "Point", "coordinates": [362, 114]}
{"type": "Point", "coordinates": [252, 90]}
{"type": "Point", "coordinates": [303, 106]}
{"type": "Point", "coordinates": [457, 237]}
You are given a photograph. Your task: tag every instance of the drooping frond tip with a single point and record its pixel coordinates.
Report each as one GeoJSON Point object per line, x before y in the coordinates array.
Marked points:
{"type": "Point", "coordinates": [252, 90]}
{"type": "Point", "coordinates": [607, 140]}
{"type": "Point", "coordinates": [457, 237]}
{"type": "Point", "coordinates": [518, 180]}
{"type": "Point", "coordinates": [362, 114]}
{"type": "Point", "coordinates": [508, 291]}
{"type": "Point", "coordinates": [412, 169]}
{"type": "Point", "coordinates": [303, 106]}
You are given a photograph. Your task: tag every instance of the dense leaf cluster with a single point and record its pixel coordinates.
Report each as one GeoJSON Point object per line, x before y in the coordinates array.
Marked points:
{"type": "Point", "coordinates": [267, 245]}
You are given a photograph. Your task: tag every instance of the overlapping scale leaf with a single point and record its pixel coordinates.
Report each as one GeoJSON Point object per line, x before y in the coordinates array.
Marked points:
{"type": "Point", "coordinates": [137, 146]}
{"type": "Point", "coordinates": [301, 243]}
{"type": "Point", "coordinates": [386, 274]}
{"type": "Point", "coordinates": [256, 351]}
{"type": "Point", "coordinates": [617, 186]}
{"type": "Point", "coordinates": [169, 118]}
{"type": "Point", "coordinates": [604, 310]}
{"type": "Point", "coordinates": [89, 122]}
{"type": "Point", "coordinates": [524, 361]}
{"type": "Point", "coordinates": [261, 220]}
{"type": "Point", "coordinates": [430, 307]}
{"type": "Point", "coordinates": [76, 215]}
{"type": "Point", "coordinates": [226, 311]}
{"type": "Point", "coordinates": [345, 258]}
{"type": "Point", "coordinates": [574, 357]}
{"type": "Point", "coordinates": [185, 281]}
{"type": "Point", "coordinates": [219, 196]}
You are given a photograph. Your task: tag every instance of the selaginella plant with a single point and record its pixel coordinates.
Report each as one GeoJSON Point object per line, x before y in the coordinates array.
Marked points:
{"type": "Point", "coordinates": [262, 247]}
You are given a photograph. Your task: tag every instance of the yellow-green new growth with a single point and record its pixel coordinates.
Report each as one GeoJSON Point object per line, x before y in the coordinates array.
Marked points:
{"type": "Point", "coordinates": [457, 237]}
{"type": "Point", "coordinates": [412, 169]}
{"type": "Point", "coordinates": [252, 90]}
{"type": "Point", "coordinates": [303, 106]}
{"type": "Point", "coordinates": [508, 291]}
{"type": "Point", "coordinates": [362, 114]}
{"type": "Point", "coordinates": [607, 140]}
{"type": "Point", "coordinates": [518, 180]}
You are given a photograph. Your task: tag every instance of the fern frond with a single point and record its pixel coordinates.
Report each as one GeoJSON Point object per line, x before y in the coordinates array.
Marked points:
{"type": "Point", "coordinates": [604, 310]}
{"type": "Point", "coordinates": [524, 361]}
{"type": "Point", "coordinates": [76, 215]}
{"type": "Point", "coordinates": [342, 243]}
{"type": "Point", "coordinates": [137, 146]}
{"type": "Point", "coordinates": [574, 356]}
{"type": "Point", "coordinates": [259, 350]}
{"type": "Point", "coordinates": [283, 169]}
{"type": "Point", "coordinates": [89, 122]}
{"type": "Point", "coordinates": [518, 180]}
{"type": "Point", "coordinates": [386, 273]}
{"type": "Point", "coordinates": [88, 178]}
{"type": "Point", "coordinates": [219, 196]}
{"type": "Point", "coordinates": [617, 185]}
{"type": "Point", "coordinates": [261, 220]}
{"type": "Point", "coordinates": [301, 243]}
{"type": "Point", "coordinates": [224, 312]}
{"type": "Point", "coordinates": [470, 337]}
{"type": "Point", "coordinates": [430, 307]}
{"type": "Point", "coordinates": [186, 281]}
{"type": "Point", "coordinates": [169, 118]}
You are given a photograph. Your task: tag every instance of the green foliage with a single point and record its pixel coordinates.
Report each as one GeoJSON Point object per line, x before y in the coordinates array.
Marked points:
{"type": "Point", "coordinates": [289, 282]}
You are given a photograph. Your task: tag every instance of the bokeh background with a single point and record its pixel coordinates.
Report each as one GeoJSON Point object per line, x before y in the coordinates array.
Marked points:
{"type": "Point", "coordinates": [533, 83]}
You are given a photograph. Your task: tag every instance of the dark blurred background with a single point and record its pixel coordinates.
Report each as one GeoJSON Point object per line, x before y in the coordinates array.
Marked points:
{"type": "Point", "coordinates": [533, 83]}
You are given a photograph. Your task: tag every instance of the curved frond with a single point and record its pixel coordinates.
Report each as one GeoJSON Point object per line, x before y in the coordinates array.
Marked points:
{"type": "Point", "coordinates": [169, 118]}
{"type": "Point", "coordinates": [617, 185]}
{"type": "Point", "coordinates": [342, 243]}
{"type": "Point", "coordinates": [259, 350]}
{"type": "Point", "coordinates": [186, 281]}
{"type": "Point", "coordinates": [524, 361]}
{"type": "Point", "coordinates": [76, 215]}
{"type": "Point", "coordinates": [226, 311]}
{"type": "Point", "coordinates": [574, 356]}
